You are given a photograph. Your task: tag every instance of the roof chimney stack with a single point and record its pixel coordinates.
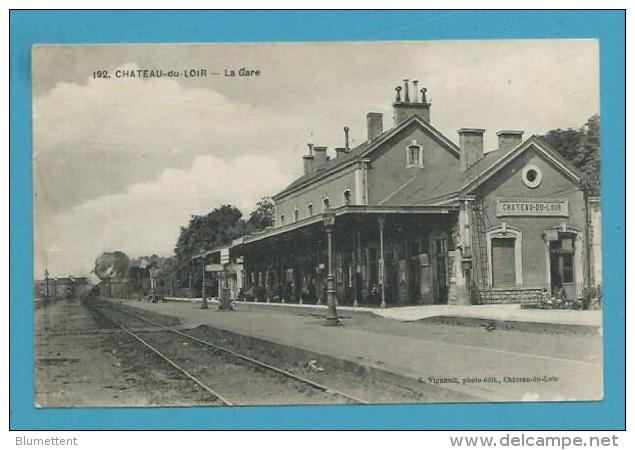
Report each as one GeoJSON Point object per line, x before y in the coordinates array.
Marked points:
{"type": "Point", "coordinates": [405, 109]}
{"type": "Point", "coordinates": [508, 139]}
{"type": "Point", "coordinates": [471, 146]}
{"type": "Point", "coordinates": [406, 97]}
{"type": "Point", "coordinates": [308, 161]}
{"type": "Point", "coordinates": [375, 123]}
{"type": "Point", "coordinates": [320, 157]}
{"type": "Point", "coordinates": [339, 151]}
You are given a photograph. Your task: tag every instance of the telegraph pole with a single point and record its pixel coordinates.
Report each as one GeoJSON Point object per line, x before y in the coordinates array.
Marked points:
{"type": "Point", "coordinates": [46, 284]}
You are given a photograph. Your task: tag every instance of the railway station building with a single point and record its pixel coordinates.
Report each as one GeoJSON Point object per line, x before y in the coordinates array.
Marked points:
{"type": "Point", "coordinates": [418, 218]}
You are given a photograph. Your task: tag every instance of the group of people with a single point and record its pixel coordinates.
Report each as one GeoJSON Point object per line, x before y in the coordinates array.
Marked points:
{"type": "Point", "coordinates": [286, 292]}
{"type": "Point", "coordinates": [591, 298]}
{"type": "Point", "coordinates": [290, 293]}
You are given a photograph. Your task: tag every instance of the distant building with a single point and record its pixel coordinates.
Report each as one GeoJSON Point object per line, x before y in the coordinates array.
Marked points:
{"type": "Point", "coordinates": [422, 220]}
{"type": "Point", "coordinates": [66, 287]}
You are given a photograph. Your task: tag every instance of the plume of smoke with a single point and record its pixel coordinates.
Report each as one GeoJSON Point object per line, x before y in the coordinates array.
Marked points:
{"type": "Point", "coordinates": [112, 265]}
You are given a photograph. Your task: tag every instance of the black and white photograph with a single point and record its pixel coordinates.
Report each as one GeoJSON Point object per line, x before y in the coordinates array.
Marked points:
{"type": "Point", "coordinates": [317, 223]}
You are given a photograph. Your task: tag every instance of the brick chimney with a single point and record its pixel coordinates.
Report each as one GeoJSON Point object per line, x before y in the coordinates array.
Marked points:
{"type": "Point", "coordinates": [308, 162]}
{"type": "Point", "coordinates": [508, 139]}
{"type": "Point", "coordinates": [340, 151]}
{"type": "Point", "coordinates": [471, 146]}
{"type": "Point", "coordinates": [403, 110]}
{"type": "Point", "coordinates": [320, 157]}
{"type": "Point", "coordinates": [375, 124]}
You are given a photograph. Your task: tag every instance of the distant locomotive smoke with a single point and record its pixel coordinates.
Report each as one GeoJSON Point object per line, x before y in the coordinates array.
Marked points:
{"type": "Point", "coordinates": [112, 265]}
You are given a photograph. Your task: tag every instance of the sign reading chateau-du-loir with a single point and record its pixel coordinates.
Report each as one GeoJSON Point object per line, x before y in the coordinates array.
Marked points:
{"type": "Point", "coordinates": [532, 207]}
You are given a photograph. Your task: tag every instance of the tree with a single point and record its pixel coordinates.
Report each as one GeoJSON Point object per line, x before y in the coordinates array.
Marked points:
{"type": "Point", "coordinates": [219, 227]}
{"type": "Point", "coordinates": [261, 217]}
{"type": "Point", "coordinates": [582, 148]}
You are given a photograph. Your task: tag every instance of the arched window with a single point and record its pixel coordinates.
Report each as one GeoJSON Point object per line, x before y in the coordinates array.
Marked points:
{"type": "Point", "coordinates": [309, 209]}
{"type": "Point", "coordinates": [296, 215]}
{"type": "Point", "coordinates": [327, 203]}
{"type": "Point", "coordinates": [281, 219]}
{"type": "Point", "coordinates": [347, 197]}
{"type": "Point", "coordinates": [414, 155]}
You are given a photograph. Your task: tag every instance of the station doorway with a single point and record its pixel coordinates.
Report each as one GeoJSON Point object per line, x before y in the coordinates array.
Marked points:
{"type": "Point", "coordinates": [562, 264]}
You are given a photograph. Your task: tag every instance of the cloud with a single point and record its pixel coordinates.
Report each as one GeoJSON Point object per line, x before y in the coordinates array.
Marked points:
{"type": "Point", "coordinates": [147, 217]}
{"type": "Point", "coordinates": [100, 137]}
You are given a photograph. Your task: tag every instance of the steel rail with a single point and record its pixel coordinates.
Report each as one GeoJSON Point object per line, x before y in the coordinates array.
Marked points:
{"type": "Point", "coordinates": [249, 359]}
{"type": "Point", "coordinates": [178, 367]}
{"type": "Point", "coordinates": [222, 399]}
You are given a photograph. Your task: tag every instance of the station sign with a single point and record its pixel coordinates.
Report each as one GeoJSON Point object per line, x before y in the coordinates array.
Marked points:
{"type": "Point", "coordinates": [214, 267]}
{"type": "Point", "coordinates": [224, 255]}
{"type": "Point", "coordinates": [532, 207]}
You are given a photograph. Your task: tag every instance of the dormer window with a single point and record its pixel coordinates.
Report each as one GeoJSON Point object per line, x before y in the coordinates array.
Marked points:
{"type": "Point", "coordinates": [347, 197]}
{"type": "Point", "coordinates": [414, 155]}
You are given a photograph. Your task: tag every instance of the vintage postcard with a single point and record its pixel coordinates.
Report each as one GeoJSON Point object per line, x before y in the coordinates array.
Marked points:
{"type": "Point", "coordinates": [317, 223]}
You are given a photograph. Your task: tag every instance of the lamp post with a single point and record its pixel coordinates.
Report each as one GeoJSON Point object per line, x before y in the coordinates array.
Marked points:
{"type": "Point", "coordinates": [382, 272]}
{"type": "Point", "coordinates": [331, 311]}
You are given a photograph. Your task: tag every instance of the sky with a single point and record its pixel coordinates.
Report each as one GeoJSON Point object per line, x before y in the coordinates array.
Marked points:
{"type": "Point", "coordinates": [122, 163]}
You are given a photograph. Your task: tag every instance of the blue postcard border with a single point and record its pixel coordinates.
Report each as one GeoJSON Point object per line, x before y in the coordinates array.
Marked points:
{"type": "Point", "coordinates": [94, 27]}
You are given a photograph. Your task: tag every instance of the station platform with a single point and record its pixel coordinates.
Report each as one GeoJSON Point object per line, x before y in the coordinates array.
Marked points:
{"type": "Point", "coordinates": [507, 313]}
{"type": "Point", "coordinates": [558, 366]}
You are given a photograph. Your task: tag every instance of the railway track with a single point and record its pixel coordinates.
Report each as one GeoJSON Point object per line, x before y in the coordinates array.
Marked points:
{"type": "Point", "coordinates": [244, 360]}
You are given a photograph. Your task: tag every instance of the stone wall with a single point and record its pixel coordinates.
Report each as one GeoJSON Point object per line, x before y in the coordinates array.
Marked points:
{"type": "Point", "coordinates": [498, 296]}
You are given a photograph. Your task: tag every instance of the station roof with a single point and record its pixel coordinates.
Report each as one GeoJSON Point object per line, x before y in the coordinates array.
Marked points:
{"type": "Point", "coordinates": [349, 210]}
{"type": "Point", "coordinates": [436, 187]}
{"type": "Point", "coordinates": [362, 150]}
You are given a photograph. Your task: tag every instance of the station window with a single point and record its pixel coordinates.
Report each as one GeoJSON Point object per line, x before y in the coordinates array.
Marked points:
{"type": "Point", "coordinates": [414, 155]}
{"type": "Point", "coordinates": [327, 203]}
{"type": "Point", "coordinates": [296, 215]}
{"type": "Point", "coordinates": [310, 209]}
{"type": "Point", "coordinates": [281, 219]}
{"type": "Point", "coordinates": [347, 197]}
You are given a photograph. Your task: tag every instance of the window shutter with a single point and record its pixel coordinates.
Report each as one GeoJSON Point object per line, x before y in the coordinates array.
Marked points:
{"type": "Point", "coordinates": [504, 262]}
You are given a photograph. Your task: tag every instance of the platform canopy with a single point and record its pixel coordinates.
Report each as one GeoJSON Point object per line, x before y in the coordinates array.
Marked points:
{"type": "Point", "coordinates": [349, 215]}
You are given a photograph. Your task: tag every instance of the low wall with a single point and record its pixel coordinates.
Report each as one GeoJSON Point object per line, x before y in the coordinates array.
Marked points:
{"type": "Point", "coordinates": [506, 296]}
